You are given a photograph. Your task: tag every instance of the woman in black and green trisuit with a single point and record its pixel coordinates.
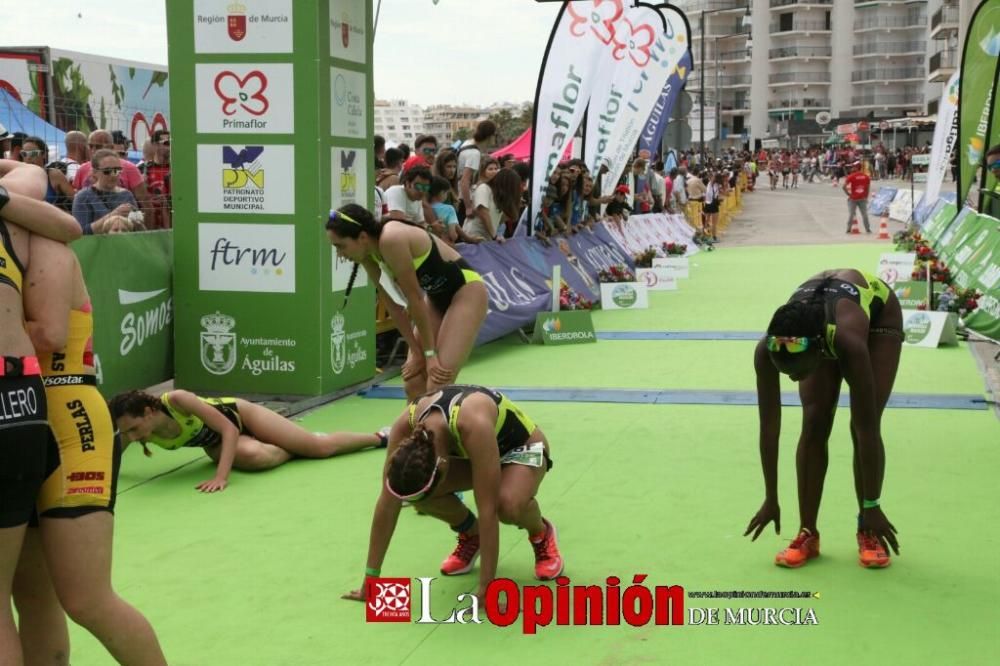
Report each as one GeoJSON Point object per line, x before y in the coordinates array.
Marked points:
{"type": "Point", "coordinates": [233, 432]}
{"type": "Point", "coordinates": [842, 324]}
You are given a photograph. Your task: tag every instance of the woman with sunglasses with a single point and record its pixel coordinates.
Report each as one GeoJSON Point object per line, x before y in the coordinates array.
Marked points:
{"type": "Point", "coordinates": [466, 438]}
{"type": "Point", "coordinates": [35, 151]}
{"type": "Point", "coordinates": [445, 299]}
{"type": "Point", "coordinates": [233, 432]}
{"type": "Point", "coordinates": [95, 206]}
{"type": "Point", "coordinates": [24, 432]}
{"type": "Point", "coordinates": [839, 325]}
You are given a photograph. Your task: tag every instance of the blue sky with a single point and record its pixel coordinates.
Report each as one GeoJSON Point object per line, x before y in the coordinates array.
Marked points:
{"type": "Point", "coordinates": [452, 52]}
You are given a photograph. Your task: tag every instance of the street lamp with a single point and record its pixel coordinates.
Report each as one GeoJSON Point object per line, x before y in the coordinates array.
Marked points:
{"type": "Point", "coordinates": [746, 22]}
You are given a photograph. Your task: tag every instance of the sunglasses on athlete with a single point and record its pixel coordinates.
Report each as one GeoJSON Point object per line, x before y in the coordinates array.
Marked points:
{"type": "Point", "coordinates": [793, 344]}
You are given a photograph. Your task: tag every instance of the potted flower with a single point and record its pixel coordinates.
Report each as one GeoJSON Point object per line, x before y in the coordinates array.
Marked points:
{"type": "Point", "coordinates": [620, 290]}
{"type": "Point", "coordinates": [675, 249]}
{"type": "Point", "coordinates": [616, 273]}
{"type": "Point", "coordinates": [645, 258]}
{"type": "Point", "coordinates": [570, 300]}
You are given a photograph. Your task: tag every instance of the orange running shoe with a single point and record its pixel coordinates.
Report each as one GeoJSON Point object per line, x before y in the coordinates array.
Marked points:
{"type": "Point", "coordinates": [871, 554]}
{"type": "Point", "coordinates": [802, 549]}
{"type": "Point", "coordinates": [463, 558]}
{"type": "Point", "coordinates": [548, 561]}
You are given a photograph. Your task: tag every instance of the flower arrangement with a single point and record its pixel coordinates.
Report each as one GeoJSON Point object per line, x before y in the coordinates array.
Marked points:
{"type": "Point", "coordinates": [675, 249]}
{"type": "Point", "coordinates": [908, 239]}
{"type": "Point", "coordinates": [643, 260]}
{"type": "Point", "coordinates": [703, 240]}
{"type": "Point", "coordinates": [956, 299]}
{"type": "Point", "coordinates": [939, 272]}
{"type": "Point", "coordinates": [570, 300]}
{"type": "Point", "coordinates": [616, 273]}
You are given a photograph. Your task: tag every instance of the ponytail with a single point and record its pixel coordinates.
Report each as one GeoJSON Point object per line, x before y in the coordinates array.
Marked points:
{"type": "Point", "coordinates": [413, 463]}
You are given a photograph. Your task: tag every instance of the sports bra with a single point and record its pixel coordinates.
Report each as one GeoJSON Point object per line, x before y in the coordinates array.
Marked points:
{"type": "Point", "coordinates": [194, 432]}
{"type": "Point", "coordinates": [11, 269]}
{"type": "Point", "coordinates": [513, 427]}
{"type": "Point", "coordinates": [871, 298]}
{"type": "Point", "coordinates": [435, 275]}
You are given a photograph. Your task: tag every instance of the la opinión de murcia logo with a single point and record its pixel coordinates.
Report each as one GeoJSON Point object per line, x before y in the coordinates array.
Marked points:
{"type": "Point", "coordinates": [245, 93]}
{"type": "Point", "coordinates": [388, 600]}
{"type": "Point", "coordinates": [600, 20]}
{"type": "Point", "coordinates": [218, 343]}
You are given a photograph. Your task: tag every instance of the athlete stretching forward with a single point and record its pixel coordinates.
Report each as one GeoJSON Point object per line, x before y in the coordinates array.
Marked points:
{"type": "Point", "coordinates": [840, 324]}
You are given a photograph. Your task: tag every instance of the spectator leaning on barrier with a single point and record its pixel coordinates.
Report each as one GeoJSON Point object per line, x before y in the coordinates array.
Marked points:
{"type": "Point", "coordinates": [129, 176]}
{"type": "Point", "coordinates": [95, 206]}
{"type": "Point", "coordinates": [77, 153]}
{"type": "Point", "coordinates": [405, 201]}
{"type": "Point", "coordinates": [158, 182]}
{"type": "Point", "coordinates": [484, 220]}
{"type": "Point", "coordinates": [470, 156]}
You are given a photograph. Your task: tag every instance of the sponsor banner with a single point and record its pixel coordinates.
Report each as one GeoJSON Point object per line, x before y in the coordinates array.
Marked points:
{"type": "Point", "coordinates": [947, 245]}
{"type": "Point", "coordinates": [986, 318]}
{"type": "Point", "coordinates": [564, 328]}
{"type": "Point", "coordinates": [901, 207]}
{"type": "Point", "coordinates": [896, 266]}
{"type": "Point", "coordinates": [230, 26]}
{"type": "Point", "coordinates": [244, 98]}
{"type": "Point", "coordinates": [349, 167]}
{"type": "Point", "coordinates": [572, 273]}
{"type": "Point", "coordinates": [246, 257]}
{"type": "Point", "coordinates": [665, 54]}
{"type": "Point", "coordinates": [911, 293]}
{"type": "Point", "coordinates": [348, 117]}
{"type": "Point", "coordinates": [133, 307]}
{"type": "Point", "coordinates": [225, 350]}
{"type": "Point", "coordinates": [624, 296]}
{"type": "Point", "coordinates": [880, 202]}
{"type": "Point", "coordinates": [965, 243]}
{"type": "Point", "coordinates": [583, 32]}
{"type": "Point", "coordinates": [976, 95]}
{"type": "Point", "coordinates": [945, 136]}
{"type": "Point", "coordinates": [938, 221]}
{"type": "Point", "coordinates": [651, 138]}
{"type": "Point", "coordinates": [255, 180]}
{"type": "Point", "coordinates": [342, 269]}
{"type": "Point", "coordinates": [617, 76]}
{"type": "Point", "coordinates": [641, 232]}
{"type": "Point", "coordinates": [929, 328]}
{"type": "Point", "coordinates": [598, 251]}
{"type": "Point", "coordinates": [657, 279]}
{"type": "Point", "coordinates": [348, 39]}
{"type": "Point", "coordinates": [679, 267]}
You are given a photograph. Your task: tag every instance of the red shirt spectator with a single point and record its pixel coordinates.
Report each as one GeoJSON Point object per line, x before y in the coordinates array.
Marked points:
{"type": "Point", "coordinates": [857, 185]}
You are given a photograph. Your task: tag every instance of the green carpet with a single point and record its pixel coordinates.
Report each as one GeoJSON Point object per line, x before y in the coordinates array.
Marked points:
{"type": "Point", "coordinates": [253, 575]}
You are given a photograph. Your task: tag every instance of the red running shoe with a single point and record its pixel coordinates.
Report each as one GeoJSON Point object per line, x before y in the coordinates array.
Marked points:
{"type": "Point", "coordinates": [871, 554]}
{"type": "Point", "coordinates": [548, 561]}
{"type": "Point", "coordinates": [463, 558]}
{"type": "Point", "coordinates": [802, 549]}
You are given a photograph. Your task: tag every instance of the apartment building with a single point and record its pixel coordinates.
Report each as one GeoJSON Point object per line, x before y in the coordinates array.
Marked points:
{"type": "Point", "coordinates": [445, 121]}
{"type": "Point", "coordinates": [399, 121]}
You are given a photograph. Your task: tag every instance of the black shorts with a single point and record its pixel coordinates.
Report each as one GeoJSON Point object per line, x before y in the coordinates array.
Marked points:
{"type": "Point", "coordinates": [712, 208]}
{"type": "Point", "coordinates": [24, 445]}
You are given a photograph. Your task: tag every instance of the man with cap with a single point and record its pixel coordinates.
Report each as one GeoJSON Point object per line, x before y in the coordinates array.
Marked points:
{"type": "Point", "coordinates": [856, 187]}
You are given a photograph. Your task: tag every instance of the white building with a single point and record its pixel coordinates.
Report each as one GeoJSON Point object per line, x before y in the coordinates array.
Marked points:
{"type": "Point", "coordinates": [795, 58]}
{"type": "Point", "coordinates": [399, 121]}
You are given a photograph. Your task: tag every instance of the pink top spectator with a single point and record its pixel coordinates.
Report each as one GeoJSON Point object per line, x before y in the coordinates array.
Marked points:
{"type": "Point", "coordinates": [130, 177]}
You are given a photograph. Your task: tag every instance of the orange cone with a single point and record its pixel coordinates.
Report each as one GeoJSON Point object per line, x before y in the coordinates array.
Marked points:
{"type": "Point", "coordinates": [855, 227]}
{"type": "Point", "coordinates": [883, 227]}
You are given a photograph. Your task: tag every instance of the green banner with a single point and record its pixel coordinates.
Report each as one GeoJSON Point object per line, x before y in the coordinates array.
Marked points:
{"type": "Point", "coordinates": [911, 293]}
{"type": "Point", "coordinates": [964, 244]}
{"type": "Point", "coordinates": [129, 280]}
{"type": "Point", "coordinates": [975, 105]}
{"type": "Point", "coordinates": [564, 328]}
{"type": "Point", "coordinates": [272, 127]}
{"type": "Point", "coordinates": [986, 278]}
{"type": "Point", "coordinates": [945, 245]}
{"type": "Point", "coordinates": [938, 223]}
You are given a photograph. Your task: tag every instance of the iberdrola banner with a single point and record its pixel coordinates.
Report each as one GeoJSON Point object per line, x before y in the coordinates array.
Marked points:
{"type": "Point", "coordinates": [617, 76]}
{"type": "Point", "coordinates": [975, 105]}
{"type": "Point", "coordinates": [665, 54]}
{"type": "Point", "coordinates": [659, 118]}
{"type": "Point", "coordinates": [945, 133]}
{"type": "Point", "coordinates": [583, 31]}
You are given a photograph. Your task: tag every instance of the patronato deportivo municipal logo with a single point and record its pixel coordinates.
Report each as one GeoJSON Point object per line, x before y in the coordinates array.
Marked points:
{"type": "Point", "coordinates": [552, 325]}
{"type": "Point", "coordinates": [236, 21]}
{"type": "Point", "coordinates": [624, 295]}
{"type": "Point", "coordinates": [348, 175]}
{"type": "Point", "coordinates": [388, 600]}
{"type": "Point", "coordinates": [338, 344]}
{"type": "Point", "coordinates": [244, 169]}
{"type": "Point", "coordinates": [218, 343]}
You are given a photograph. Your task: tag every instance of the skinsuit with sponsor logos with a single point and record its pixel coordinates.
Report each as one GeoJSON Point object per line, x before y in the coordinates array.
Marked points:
{"type": "Point", "coordinates": [840, 325]}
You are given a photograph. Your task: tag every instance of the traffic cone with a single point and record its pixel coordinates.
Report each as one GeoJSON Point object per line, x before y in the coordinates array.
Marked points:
{"type": "Point", "coordinates": [855, 228]}
{"type": "Point", "coordinates": [883, 227]}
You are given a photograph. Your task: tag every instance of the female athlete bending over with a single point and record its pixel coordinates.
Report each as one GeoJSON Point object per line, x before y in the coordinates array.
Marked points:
{"type": "Point", "coordinates": [233, 432]}
{"type": "Point", "coordinates": [461, 438]}
{"type": "Point", "coordinates": [447, 299]}
{"type": "Point", "coordinates": [840, 324]}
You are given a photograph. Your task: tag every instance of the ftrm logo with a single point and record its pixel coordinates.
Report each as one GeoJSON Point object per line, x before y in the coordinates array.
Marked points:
{"type": "Point", "coordinates": [246, 257]}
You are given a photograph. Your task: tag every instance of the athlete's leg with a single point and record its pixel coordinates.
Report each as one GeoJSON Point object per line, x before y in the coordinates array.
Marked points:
{"type": "Point", "coordinates": [443, 503]}
{"type": "Point", "coordinates": [518, 487]}
{"type": "Point", "coordinates": [458, 330]}
{"type": "Point", "coordinates": [10, 547]}
{"type": "Point", "coordinates": [416, 385]}
{"type": "Point", "coordinates": [252, 455]}
{"type": "Point", "coordinates": [819, 393]}
{"type": "Point", "coordinates": [272, 428]}
{"type": "Point", "coordinates": [78, 554]}
{"type": "Point", "coordinates": [41, 620]}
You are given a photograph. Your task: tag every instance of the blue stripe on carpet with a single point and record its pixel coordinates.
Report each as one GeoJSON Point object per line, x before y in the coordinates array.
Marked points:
{"type": "Point", "coordinates": [691, 397]}
{"type": "Point", "coordinates": [678, 335]}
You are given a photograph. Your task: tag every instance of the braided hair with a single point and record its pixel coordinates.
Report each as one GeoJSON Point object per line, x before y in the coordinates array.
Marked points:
{"type": "Point", "coordinates": [413, 463]}
{"type": "Point", "coordinates": [801, 318]}
{"type": "Point", "coordinates": [343, 226]}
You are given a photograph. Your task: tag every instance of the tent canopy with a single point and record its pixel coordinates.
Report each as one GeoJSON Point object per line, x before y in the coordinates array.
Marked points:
{"type": "Point", "coordinates": [520, 148]}
{"type": "Point", "coordinates": [16, 117]}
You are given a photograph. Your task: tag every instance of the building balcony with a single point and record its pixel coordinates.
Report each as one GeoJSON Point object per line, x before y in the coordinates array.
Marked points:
{"type": "Point", "coordinates": [801, 4]}
{"type": "Point", "coordinates": [862, 3]}
{"type": "Point", "coordinates": [890, 23]}
{"type": "Point", "coordinates": [886, 101]}
{"type": "Point", "coordinates": [740, 55]}
{"type": "Point", "coordinates": [932, 107]}
{"type": "Point", "coordinates": [807, 27]}
{"type": "Point", "coordinates": [916, 47]}
{"type": "Point", "coordinates": [944, 22]}
{"type": "Point", "coordinates": [693, 7]}
{"type": "Point", "coordinates": [800, 52]}
{"type": "Point", "coordinates": [797, 104]}
{"type": "Point", "coordinates": [941, 66]}
{"type": "Point", "coordinates": [795, 78]}
{"type": "Point", "coordinates": [888, 74]}
{"type": "Point", "coordinates": [730, 80]}
{"type": "Point", "coordinates": [735, 108]}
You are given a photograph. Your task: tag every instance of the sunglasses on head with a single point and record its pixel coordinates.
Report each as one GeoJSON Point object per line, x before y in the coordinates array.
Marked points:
{"type": "Point", "coordinates": [793, 345]}
{"type": "Point", "coordinates": [337, 215]}
{"type": "Point", "coordinates": [110, 171]}
{"type": "Point", "coordinates": [423, 492]}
